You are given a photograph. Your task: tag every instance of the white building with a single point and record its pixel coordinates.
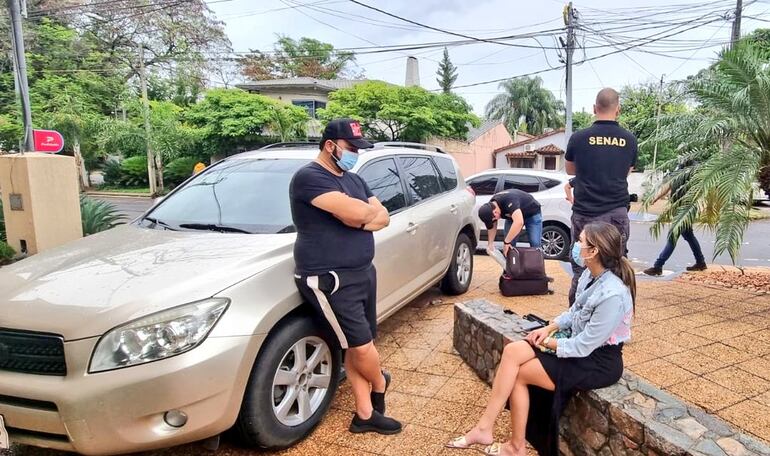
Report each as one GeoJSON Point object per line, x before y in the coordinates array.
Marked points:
{"type": "Point", "coordinates": [543, 152]}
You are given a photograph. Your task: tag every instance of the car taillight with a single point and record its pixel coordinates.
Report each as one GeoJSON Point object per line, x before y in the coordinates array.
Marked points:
{"type": "Point", "coordinates": [470, 190]}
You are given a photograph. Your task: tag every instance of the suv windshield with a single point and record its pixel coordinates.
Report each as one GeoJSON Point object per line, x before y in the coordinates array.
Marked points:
{"type": "Point", "coordinates": [240, 195]}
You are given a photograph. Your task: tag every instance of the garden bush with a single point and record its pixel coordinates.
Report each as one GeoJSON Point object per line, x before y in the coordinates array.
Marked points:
{"type": "Point", "coordinates": [97, 215]}
{"type": "Point", "coordinates": [178, 171]}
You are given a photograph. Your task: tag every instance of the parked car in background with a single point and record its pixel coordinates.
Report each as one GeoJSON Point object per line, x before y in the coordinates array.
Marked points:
{"type": "Point", "coordinates": [187, 322]}
{"type": "Point", "coordinates": [547, 188]}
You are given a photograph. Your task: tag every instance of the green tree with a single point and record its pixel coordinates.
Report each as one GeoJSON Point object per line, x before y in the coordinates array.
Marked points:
{"type": "Point", "coordinates": [231, 119]}
{"type": "Point", "coordinates": [581, 119]}
{"type": "Point", "coordinates": [447, 73]}
{"type": "Point", "coordinates": [760, 38]}
{"type": "Point", "coordinates": [389, 112]}
{"type": "Point", "coordinates": [728, 138]}
{"type": "Point", "coordinates": [638, 113]}
{"type": "Point", "coordinates": [525, 105]}
{"type": "Point", "coordinates": [291, 58]}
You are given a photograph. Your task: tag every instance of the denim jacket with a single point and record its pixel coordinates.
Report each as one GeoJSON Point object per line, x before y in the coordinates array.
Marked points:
{"type": "Point", "coordinates": [601, 315]}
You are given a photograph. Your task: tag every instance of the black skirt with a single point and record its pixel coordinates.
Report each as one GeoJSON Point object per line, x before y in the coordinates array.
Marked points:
{"type": "Point", "coordinates": [600, 369]}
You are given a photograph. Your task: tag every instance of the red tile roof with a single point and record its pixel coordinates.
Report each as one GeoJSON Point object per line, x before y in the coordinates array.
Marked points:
{"type": "Point", "coordinates": [550, 149]}
{"type": "Point", "coordinates": [527, 141]}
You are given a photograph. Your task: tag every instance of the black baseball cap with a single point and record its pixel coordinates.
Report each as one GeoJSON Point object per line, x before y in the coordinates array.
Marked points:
{"type": "Point", "coordinates": [347, 129]}
{"type": "Point", "coordinates": [487, 215]}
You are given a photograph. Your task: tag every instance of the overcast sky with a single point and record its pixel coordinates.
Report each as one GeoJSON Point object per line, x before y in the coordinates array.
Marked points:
{"type": "Point", "coordinates": [254, 25]}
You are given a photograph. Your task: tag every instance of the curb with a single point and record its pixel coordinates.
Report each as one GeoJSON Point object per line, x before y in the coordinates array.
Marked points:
{"type": "Point", "coordinates": [120, 195]}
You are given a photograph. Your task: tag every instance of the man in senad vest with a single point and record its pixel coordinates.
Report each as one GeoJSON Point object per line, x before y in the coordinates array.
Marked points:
{"type": "Point", "coordinates": [601, 157]}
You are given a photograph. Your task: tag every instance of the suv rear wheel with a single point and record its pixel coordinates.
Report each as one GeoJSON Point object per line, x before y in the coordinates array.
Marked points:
{"type": "Point", "coordinates": [458, 277]}
{"type": "Point", "coordinates": [291, 386]}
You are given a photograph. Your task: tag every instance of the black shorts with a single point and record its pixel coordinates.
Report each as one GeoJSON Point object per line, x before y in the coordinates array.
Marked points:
{"type": "Point", "coordinates": [347, 300]}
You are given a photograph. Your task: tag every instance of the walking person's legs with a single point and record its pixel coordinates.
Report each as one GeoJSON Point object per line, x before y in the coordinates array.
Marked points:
{"type": "Point", "coordinates": [665, 254]}
{"type": "Point", "coordinates": [700, 260]}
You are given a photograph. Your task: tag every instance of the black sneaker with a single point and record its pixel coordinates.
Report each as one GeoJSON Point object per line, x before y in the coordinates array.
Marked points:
{"type": "Point", "coordinates": [697, 267]}
{"type": "Point", "coordinates": [376, 423]}
{"type": "Point", "coordinates": [378, 399]}
{"type": "Point", "coordinates": [653, 271]}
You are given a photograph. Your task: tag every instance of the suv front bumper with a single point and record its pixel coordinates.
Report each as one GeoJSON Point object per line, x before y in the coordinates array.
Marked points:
{"type": "Point", "coordinates": [122, 411]}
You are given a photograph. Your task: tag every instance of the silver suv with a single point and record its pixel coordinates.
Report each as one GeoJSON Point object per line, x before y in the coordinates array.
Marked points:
{"type": "Point", "coordinates": [187, 322]}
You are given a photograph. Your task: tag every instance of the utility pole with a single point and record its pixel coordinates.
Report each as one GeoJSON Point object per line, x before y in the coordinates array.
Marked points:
{"type": "Point", "coordinates": [569, 22]}
{"type": "Point", "coordinates": [151, 173]}
{"type": "Point", "coordinates": [657, 125]}
{"type": "Point", "coordinates": [20, 67]}
{"type": "Point", "coordinates": [737, 23]}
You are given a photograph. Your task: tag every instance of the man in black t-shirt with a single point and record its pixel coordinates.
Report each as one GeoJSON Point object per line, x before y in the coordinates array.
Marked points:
{"type": "Point", "coordinates": [335, 214]}
{"type": "Point", "coordinates": [519, 209]}
{"type": "Point", "coordinates": [601, 157]}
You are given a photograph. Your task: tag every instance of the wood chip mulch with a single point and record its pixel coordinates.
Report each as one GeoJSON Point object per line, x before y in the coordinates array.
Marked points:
{"type": "Point", "coordinates": [758, 282]}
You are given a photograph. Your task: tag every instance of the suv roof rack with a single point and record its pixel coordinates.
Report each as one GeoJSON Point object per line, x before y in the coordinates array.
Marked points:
{"type": "Point", "coordinates": [286, 145]}
{"type": "Point", "coordinates": [410, 145]}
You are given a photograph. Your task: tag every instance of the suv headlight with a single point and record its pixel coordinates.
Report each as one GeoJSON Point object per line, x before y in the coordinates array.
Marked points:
{"type": "Point", "coordinates": [157, 336]}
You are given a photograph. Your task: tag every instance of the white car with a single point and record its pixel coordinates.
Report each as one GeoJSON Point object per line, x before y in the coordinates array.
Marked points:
{"type": "Point", "coordinates": [548, 189]}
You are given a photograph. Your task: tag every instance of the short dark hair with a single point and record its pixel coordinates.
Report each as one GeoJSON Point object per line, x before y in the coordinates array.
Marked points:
{"type": "Point", "coordinates": [487, 215]}
{"type": "Point", "coordinates": [607, 99]}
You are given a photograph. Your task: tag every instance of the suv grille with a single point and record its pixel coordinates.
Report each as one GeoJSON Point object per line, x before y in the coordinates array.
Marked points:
{"type": "Point", "coordinates": [32, 353]}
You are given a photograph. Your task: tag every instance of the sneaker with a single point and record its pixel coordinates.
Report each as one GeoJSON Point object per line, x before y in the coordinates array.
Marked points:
{"type": "Point", "coordinates": [653, 271]}
{"type": "Point", "coordinates": [376, 423]}
{"type": "Point", "coordinates": [378, 399]}
{"type": "Point", "coordinates": [697, 267]}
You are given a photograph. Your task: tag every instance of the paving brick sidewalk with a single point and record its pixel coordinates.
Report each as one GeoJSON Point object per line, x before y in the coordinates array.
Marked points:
{"type": "Point", "coordinates": [708, 346]}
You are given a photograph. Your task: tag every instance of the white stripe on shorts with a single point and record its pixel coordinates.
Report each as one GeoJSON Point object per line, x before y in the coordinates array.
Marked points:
{"type": "Point", "coordinates": [312, 283]}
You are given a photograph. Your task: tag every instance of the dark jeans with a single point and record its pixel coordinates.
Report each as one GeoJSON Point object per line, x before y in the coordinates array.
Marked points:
{"type": "Point", "coordinates": [688, 236]}
{"type": "Point", "coordinates": [534, 225]}
{"type": "Point", "coordinates": [617, 217]}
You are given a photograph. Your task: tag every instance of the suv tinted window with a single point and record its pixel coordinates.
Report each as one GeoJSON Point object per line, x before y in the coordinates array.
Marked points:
{"type": "Point", "coordinates": [529, 184]}
{"type": "Point", "coordinates": [550, 183]}
{"type": "Point", "coordinates": [421, 177]}
{"type": "Point", "coordinates": [448, 173]}
{"type": "Point", "coordinates": [383, 180]}
{"type": "Point", "coordinates": [252, 195]}
{"type": "Point", "coordinates": [485, 185]}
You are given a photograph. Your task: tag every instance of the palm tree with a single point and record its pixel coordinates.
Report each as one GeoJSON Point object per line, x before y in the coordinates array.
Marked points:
{"type": "Point", "coordinates": [526, 105]}
{"type": "Point", "coordinates": [728, 137]}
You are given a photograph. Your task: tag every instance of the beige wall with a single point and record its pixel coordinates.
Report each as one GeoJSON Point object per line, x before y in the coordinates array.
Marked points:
{"type": "Point", "coordinates": [48, 185]}
{"type": "Point", "coordinates": [476, 156]}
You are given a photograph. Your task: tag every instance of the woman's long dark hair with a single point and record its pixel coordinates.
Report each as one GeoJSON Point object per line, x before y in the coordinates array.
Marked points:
{"type": "Point", "coordinates": [608, 241]}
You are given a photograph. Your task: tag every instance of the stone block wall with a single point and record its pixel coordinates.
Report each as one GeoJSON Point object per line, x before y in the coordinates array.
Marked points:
{"type": "Point", "coordinates": [631, 417]}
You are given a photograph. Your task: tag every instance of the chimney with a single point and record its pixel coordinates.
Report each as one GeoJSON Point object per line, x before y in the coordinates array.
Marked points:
{"type": "Point", "coordinates": [412, 72]}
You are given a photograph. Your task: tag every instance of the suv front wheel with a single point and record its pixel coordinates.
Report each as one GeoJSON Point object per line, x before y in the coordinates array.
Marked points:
{"type": "Point", "coordinates": [458, 277]}
{"type": "Point", "coordinates": [556, 243]}
{"type": "Point", "coordinates": [291, 386]}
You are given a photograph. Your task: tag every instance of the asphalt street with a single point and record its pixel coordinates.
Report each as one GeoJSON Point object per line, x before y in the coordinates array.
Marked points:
{"type": "Point", "coordinates": [643, 248]}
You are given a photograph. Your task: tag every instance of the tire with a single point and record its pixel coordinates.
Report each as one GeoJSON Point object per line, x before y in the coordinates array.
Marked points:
{"type": "Point", "coordinates": [259, 424]}
{"type": "Point", "coordinates": [556, 242]}
{"type": "Point", "coordinates": [458, 278]}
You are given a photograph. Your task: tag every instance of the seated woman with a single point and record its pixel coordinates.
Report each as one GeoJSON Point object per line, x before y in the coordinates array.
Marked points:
{"type": "Point", "coordinates": [588, 356]}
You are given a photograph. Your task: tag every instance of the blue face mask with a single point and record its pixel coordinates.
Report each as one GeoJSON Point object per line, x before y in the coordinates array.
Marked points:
{"type": "Point", "coordinates": [348, 160]}
{"type": "Point", "coordinates": [576, 255]}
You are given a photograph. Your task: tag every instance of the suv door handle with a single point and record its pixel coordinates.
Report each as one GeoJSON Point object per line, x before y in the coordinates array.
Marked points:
{"type": "Point", "coordinates": [453, 209]}
{"type": "Point", "coordinates": [412, 227]}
